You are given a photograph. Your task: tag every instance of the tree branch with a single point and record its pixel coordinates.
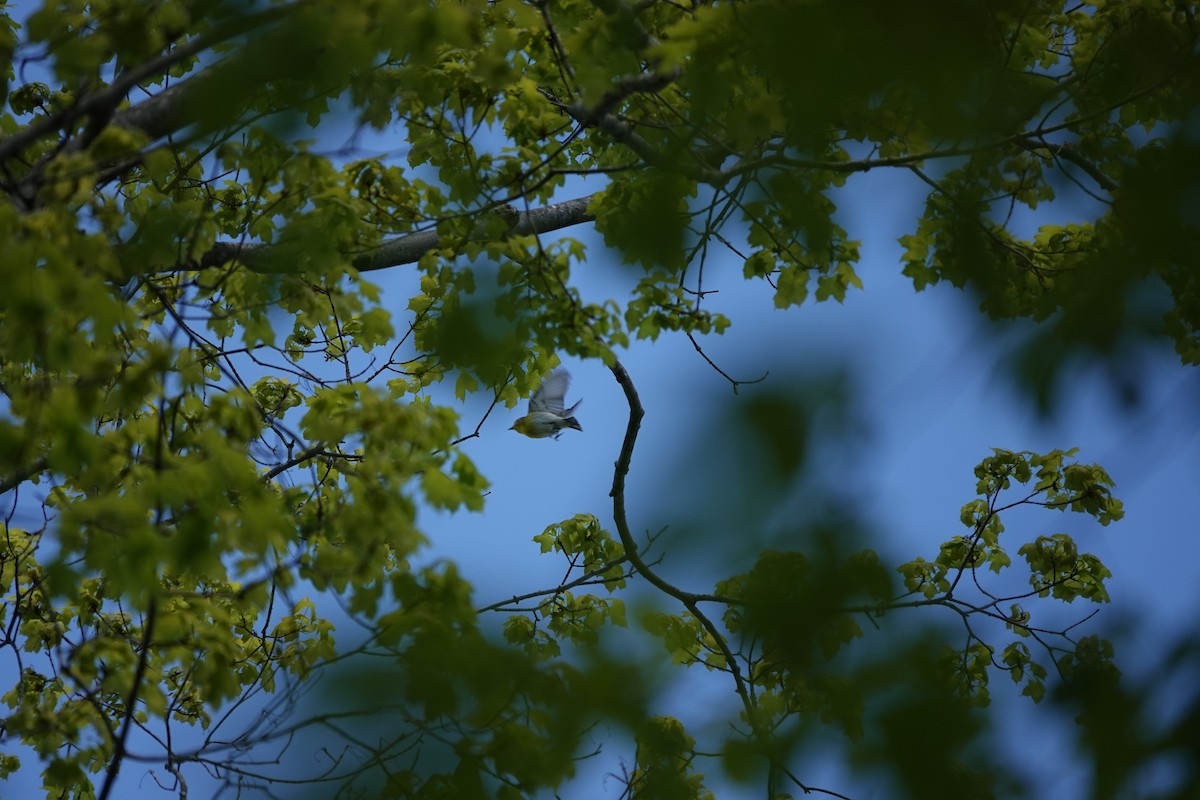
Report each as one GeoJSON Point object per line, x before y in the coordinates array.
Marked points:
{"type": "Point", "coordinates": [148, 116]}
{"type": "Point", "coordinates": [406, 249]}
{"type": "Point", "coordinates": [118, 756]}
{"type": "Point", "coordinates": [587, 578]}
{"type": "Point", "coordinates": [1069, 152]}
{"type": "Point", "coordinates": [19, 476]}
{"type": "Point", "coordinates": [689, 600]}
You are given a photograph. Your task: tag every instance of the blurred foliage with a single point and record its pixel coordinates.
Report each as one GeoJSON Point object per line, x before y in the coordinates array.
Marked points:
{"type": "Point", "coordinates": [211, 426]}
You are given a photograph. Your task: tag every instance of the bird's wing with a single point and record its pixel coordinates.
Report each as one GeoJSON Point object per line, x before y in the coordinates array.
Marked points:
{"type": "Point", "coordinates": [549, 396]}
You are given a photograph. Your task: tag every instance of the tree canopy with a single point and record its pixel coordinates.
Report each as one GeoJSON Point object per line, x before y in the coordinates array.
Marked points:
{"type": "Point", "coordinates": [210, 424]}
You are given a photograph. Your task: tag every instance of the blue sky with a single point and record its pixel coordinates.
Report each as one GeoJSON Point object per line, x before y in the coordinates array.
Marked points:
{"type": "Point", "coordinates": [933, 396]}
{"type": "Point", "coordinates": [934, 392]}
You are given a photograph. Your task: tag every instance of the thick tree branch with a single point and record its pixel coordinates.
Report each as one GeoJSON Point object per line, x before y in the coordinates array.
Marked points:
{"type": "Point", "coordinates": [406, 249]}
{"type": "Point", "coordinates": [149, 116]}
{"type": "Point", "coordinates": [19, 476]}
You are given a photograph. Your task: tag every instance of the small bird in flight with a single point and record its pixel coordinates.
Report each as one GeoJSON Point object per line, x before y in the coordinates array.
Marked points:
{"type": "Point", "coordinates": [546, 416]}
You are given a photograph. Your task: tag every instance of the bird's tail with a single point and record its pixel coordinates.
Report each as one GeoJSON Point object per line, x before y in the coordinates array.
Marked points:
{"type": "Point", "coordinates": [570, 420]}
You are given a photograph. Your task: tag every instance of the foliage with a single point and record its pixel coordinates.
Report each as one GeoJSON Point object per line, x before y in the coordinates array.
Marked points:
{"type": "Point", "coordinates": [216, 423]}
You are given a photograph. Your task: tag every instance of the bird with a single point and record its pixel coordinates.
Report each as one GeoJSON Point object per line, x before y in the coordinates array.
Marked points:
{"type": "Point", "coordinates": [546, 416]}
